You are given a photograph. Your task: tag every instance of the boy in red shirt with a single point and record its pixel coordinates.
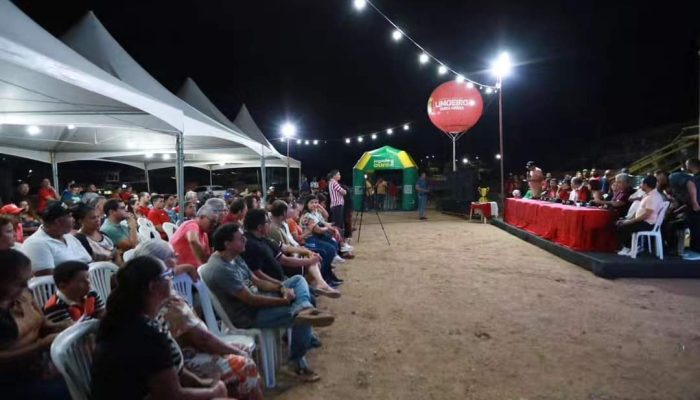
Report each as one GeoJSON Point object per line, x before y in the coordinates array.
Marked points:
{"type": "Point", "coordinates": [74, 301]}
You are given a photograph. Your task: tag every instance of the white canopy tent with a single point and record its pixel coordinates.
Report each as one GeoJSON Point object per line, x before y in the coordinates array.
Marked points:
{"type": "Point", "coordinates": [270, 157]}
{"type": "Point", "coordinates": [56, 106]}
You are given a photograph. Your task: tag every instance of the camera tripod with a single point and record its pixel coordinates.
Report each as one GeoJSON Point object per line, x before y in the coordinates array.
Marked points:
{"type": "Point", "coordinates": [360, 213]}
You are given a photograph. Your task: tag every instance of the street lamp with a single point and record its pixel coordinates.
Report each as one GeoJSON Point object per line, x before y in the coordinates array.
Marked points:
{"type": "Point", "coordinates": [501, 68]}
{"type": "Point", "coordinates": [288, 131]}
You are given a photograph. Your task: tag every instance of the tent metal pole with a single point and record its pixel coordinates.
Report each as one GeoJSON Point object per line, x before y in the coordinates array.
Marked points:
{"type": "Point", "coordinates": [180, 172]}
{"type": "Point", "coordinates": [54, 172]}
{"type": "Point", "coordinates": [263, 176]}
{"type": "Point", "coordinates": [211, 177]}
{"type": "Point", "coordinates": [148, 180]}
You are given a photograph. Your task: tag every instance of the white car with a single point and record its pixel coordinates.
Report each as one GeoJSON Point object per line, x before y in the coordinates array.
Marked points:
{"type": "Point", "coordinates": [209, 191]}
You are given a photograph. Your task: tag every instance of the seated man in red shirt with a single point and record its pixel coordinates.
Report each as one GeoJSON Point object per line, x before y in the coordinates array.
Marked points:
{"type": "Point", "coordinates": [579, 191]}
{"type": "Point", "coordinates": [191, 240]}
{"type": "Point", "coordinates": [158, 215]}
{"type": "Point", "coordinates": [564, 190]}
{"type": "Point", "coordinates": [141, 208]}
{"type": "Point", "coordinates": [236, 212]}
{"type": "Point", "coordinates": [74, 301]}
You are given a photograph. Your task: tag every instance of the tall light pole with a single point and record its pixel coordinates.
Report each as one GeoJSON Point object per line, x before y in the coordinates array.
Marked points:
{"type": "Point", "coordinates": [288, 131]}
{"type": "Point", "coordinates": [501, 68]}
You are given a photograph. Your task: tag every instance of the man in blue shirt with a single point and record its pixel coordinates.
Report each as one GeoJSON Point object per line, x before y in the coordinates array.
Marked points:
{"type": "Point", "coordinates": [422, 190]}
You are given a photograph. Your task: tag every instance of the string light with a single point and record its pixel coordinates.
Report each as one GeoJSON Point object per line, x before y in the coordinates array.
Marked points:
{"type": "Point", "coordinates": [460, 79]}
{"type": "Point", "coordinates": [306, 142]}
{"type": "Point", "coordinates": [406, 127]}
{"type": "Point", "coordinates": [348, 140]}
{"type": "Point", "coordinates": [389, 131]}
{"type": "Point", "coordinates": [315, 142]}
{"type": "Point", "coordinates": [489, 90]}
{"type": "Point", "coordinates": [374, 136]}
{"type": "Point", "coordinates": [298, 141]}
{"type": "Point", "coordinates": [359, 139]}
{"type": "Point", "coordinates": [442, 70]}
{"type": "Point", "coordinates": [398, 34]}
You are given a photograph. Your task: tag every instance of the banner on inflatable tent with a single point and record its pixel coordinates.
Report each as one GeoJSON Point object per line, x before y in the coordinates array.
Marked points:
{"type": "Point", "coordinates": [385, 159]}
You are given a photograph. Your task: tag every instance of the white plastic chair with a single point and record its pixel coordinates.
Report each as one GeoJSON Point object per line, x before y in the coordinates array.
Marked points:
{"type": "Point", "coordinates": [169, 228]}
{"type": "Point", "coordinates": [145, 234]}
{"type": "Point", "coordinates": [101, 277]}
{"type": "Point", "coordinates": [128, 255]}
{"type": "Point", "coordinates": [183, 285]}
{"type": "Point", "coordinates": [266, 339]}
{"type": "Point", "coordinates": [141, 221]}
{"type": "Point", "coordinates": [71, 353]}
{"type": "Point", "coordinates": [637, 237]}
{"type": "Point", "coordinates": [42, 287]}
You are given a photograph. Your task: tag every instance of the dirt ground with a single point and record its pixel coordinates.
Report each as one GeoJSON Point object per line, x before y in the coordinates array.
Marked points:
{"type": "Point", "coordinates": [458, 310]}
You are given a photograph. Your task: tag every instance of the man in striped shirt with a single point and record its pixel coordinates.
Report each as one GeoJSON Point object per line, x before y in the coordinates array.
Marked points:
{"type": "Point", "coordinates": [337, 201]}
{"type": "Point", "coordinates": [74, 301]}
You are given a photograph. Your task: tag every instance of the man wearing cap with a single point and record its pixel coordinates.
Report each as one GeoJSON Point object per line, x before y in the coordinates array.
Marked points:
{"type": "Point", "coordinates": [52, 243]}
{"type": "Point", "coordinates": [13, 212]}
{"type": "Point", "coordinates": [534, 179]}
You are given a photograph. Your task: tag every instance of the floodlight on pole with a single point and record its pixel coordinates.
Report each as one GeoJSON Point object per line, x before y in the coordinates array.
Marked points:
{"type": "Point", "coordinates": [360, 4]}
{"type": "Point", "coordinates": [288, 130]}
{"type": "Point", "coordinates": [501, 67]}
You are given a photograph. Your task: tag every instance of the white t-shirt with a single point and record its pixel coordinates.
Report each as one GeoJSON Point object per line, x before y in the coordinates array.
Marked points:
{"type": "Point", "coordinates": [47, 252]}
{"type": "Point", "coordinates": [651, 201]}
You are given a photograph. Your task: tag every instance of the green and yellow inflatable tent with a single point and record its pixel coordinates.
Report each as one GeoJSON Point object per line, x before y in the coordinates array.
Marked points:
{"type": "Point", "coordinates": [383, 159]}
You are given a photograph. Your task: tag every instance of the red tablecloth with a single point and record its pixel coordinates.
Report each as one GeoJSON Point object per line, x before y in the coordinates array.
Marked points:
{"type": "Point", "coordinates": [579, 228]}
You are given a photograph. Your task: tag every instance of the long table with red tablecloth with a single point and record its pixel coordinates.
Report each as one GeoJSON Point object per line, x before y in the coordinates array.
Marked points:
{"type": "Point", "coordinates": [579, 228]}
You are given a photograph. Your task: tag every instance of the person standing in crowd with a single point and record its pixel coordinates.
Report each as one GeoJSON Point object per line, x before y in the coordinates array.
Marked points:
{"type": "Point", "coordinates": [305, 187]}
{"type": "Point", "coordinates": [644, 218]}
{"type": "Point", "coordinates": [606, 183]}
{"type": "Point", "coordinates": [322, 185]}
{"type": "Point", "coordinates": [314, 186]}
{"type": "Point", "coordinates": [393, 192]}
{"type": "Point", "coordinates": [534, 179]}
{"type": "Point", "coordinates": [90, 194]}
{"type": "Point", "coordinates": [52, 243]}
{"type": "Point", "coordinates": [381, 193]}
{"type": "Point", "coordinates": [369, 194]}
{"type": "Point", "coordinates": [422, 189]}
{"type": "Point", "coordinates": [46, 193]}
{"type": "Point", "coordinates": [158, 215]}
{"type": "Point", "coordinates": [337, 201]}
{"type": "Point", "coordinates": [124, 237]}
{"type": "Point", "coordinates": [73, 301]}
{"type": "Point", "coordinates": [26, 336]}
{"type": "Point", "coordinates": [693, 166]}
{"type": "Point", "coordinates": [72, 196]}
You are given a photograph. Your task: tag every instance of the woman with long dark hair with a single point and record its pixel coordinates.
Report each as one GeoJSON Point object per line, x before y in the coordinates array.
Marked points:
{"type": "Point", "coordinates": [136, 356]}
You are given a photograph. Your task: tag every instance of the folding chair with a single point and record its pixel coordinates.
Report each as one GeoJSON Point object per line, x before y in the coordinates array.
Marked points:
{"type": "Point", "coordinates": [637, 237]}
{"type": "Point", "coordinates": [169, 228]}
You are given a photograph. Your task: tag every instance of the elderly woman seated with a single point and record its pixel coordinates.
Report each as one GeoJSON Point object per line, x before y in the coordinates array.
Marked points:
{"type": "Point", "coordinates": [26, 335]}
{"type": "Point", "coordinates": [205, 355]}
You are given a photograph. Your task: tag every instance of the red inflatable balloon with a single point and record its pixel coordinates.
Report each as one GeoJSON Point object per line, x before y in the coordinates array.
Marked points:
{"type": "Point", "coordinates": [455, 107]}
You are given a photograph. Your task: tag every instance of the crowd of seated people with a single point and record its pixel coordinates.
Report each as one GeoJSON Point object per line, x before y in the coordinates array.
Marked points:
{"type": "Point", "coordinates": [266, 264]}
{"type": "Point", "coordinates": [637, 206]}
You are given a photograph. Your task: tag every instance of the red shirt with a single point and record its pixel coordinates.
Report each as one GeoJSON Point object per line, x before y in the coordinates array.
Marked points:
{"type": "Point", "coordinates": [143, 211]}
{"type": "Point", "coordinates": [584, 194]}
{"type": "Point", "coordinates": [182, 246]}
{"type": "Point", "coordinates": [564, 194]}
{"type": "Point", "coordinates": [125, 196]}
{"type": "Point", "coordinates": [158, 217]}
{"type": "Point", "coordinates": [322, 185]}
{"type": "Point", "coordinates": [231, 218]}
{"type": "Point", "coordinates": [45, 194]}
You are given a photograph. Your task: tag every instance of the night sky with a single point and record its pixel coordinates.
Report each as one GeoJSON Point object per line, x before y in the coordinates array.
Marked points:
{"type": "Point", "coordinates": [586, 69]}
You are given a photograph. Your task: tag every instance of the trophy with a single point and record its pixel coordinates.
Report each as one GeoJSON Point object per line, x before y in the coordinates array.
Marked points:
{"type": "Point", "coordinates": [483, 192]}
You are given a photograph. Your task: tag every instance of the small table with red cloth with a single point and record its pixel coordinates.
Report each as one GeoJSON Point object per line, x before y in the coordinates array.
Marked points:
{"type": "Point", "coordinates": [487, 210]}
{"type": "Point", "coordinates": [578, 228]}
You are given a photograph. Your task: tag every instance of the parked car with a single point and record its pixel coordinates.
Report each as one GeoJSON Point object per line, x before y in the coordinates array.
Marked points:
{"type": "Point", "coordinates": [209, 191]}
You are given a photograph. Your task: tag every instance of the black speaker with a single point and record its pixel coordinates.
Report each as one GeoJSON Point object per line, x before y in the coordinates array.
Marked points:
{"type": "Point", "coordinates": [461, 186]}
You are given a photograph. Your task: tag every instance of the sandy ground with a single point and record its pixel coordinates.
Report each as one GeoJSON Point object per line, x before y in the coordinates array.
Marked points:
{"type": "Point", "coordinates": [458, 310]}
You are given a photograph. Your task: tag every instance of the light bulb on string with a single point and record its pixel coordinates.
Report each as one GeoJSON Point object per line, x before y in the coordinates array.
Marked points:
{"type": "Point", "coordinates": [470, 85]}
{"type": "Point", "coordinates": [396, 35]}
{"type": "Point", "coordinates": [489, 90]}
{"type": "Point", "coordinates": [405, 127]}
{"type": "Point", "coordinates": [315, 142]}
{"type": "Point", "coordinates": [442, 70]}
{"type": "Point", "coordinates": [306, 142]}
{"type": "Point", "coordinates": [359, 139]}
{"type": "Point", "coordinates": [460, 79]}
{"type": "Point", "coordinates": [389, 131]}
{"type": "Point", "coordinates": [374, 136]}
{"type": "Point", "coordinates": [348, 140]}
{"type": "Point", "coordinates": [423, 58]}
{"type": "Point", "coordinates": [298, 141]}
